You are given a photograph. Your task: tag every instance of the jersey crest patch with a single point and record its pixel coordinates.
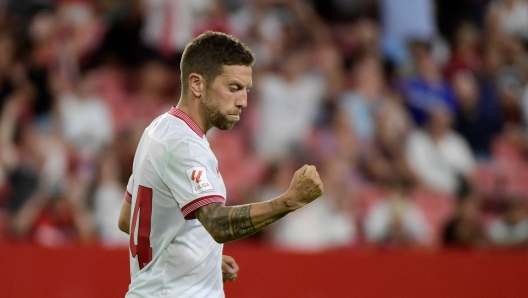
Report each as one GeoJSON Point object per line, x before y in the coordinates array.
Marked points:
{"type": "Point", "coordinates": [198, 178]}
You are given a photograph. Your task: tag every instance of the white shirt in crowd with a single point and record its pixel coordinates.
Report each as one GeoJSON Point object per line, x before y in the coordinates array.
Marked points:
{"type": "Point", "coordinates": [174, 173]}
{"type": "Point", "coordinates": [439, 163]}
{"type": "Point", "coordinates": [86, 123]}
{"type": "Point", "coordinates": [377, 223]}
{"type": "Point", "coordinates": [295, 101]}
{"type": "Point", "coordinates": [170, 24]}
{"type": "Point", "coordinates": [513, 21]}
{"type": "Point", "coordinates": [107, 205]}
{"type": "Point", "coordinates": [501, 232]}
{"type": "Point", "coordinates": [317, 226]}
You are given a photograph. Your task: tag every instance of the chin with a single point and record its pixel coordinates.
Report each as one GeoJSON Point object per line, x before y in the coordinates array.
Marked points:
{"type": "Point", "coordinates": [225, 126]}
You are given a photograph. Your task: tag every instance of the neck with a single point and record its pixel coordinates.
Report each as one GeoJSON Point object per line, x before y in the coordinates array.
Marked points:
{"type": "Point", "coordinates": [192, 107]}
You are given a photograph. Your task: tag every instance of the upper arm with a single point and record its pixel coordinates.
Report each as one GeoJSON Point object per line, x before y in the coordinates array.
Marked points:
{"type": "Point", "coordinates": [192, 177]}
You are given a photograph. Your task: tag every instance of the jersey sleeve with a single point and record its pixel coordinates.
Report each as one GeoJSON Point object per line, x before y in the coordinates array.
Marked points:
{"type": "Point", "coordinates": [129, 189]}
{"type": "Point", "coordinates": [192, 177]}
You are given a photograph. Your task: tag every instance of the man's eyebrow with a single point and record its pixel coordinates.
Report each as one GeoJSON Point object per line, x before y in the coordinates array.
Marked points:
{"type": "Point", "coordinates": [239, 84]}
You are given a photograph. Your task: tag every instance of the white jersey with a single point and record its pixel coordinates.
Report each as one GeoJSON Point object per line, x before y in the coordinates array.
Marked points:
{"type": "Point", "coordinates": [174, 173]}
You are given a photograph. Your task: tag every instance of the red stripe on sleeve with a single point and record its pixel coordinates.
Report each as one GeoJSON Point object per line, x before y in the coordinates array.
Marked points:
{"type": "Point", "coordinates": [188, 210]}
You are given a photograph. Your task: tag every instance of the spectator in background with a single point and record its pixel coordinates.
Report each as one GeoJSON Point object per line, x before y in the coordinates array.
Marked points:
{"type": "Point", "coordinates": [43, 198]}
{"type": "Point", "coordinates": [150, 97]}
{"type": "Point", "coordinates": [19, 153]}
{"type": "Point", "coordinates": [428, 89]}
{"type": "Point", "coordinates": [477, 125]}
{"type": "Point", "coordinates": [464, 229]}
{"type": "Point", "coordinates": [511, 74]}
{"type": "Point", "coordinates": [396, 220]}
{"type": "Point", "coordinates": [492, 61]}
{"type": "Point", "coordinates": [465, 54]}
{"type": "Point", "coordinates": [294, 94]}
{"type": "Point", "coordinates": [108, 198]}
{"type": "Point", "coordinates": [122, 44]}
{"type": "Point", "coordinates": [334, 139]}
{"type": "Point", "coordinates": [170, 24]}
{"type": "Point", "coordinates": [511, 230]}
{"type": "Point", "coordinates": [42, 35]}
{"type": "Point", "coordinates": [360, 102]}
{"type": "Point", "coordinates": [438, 155]}
{"type": "Point", "coordinates": [327, 224]}
{"type": "Point", "coordinates": [452, 13]}
{"type": "Point", "coordinates": [85, 118]}
{"type": "Point", "coordinates": [216, 18]}
{"type": "Point", "coordinates": [386, 158]}
{"type": "Point", "coordinates": [403, 21]}
{"type": "Point", "coordinates": [508, 17]}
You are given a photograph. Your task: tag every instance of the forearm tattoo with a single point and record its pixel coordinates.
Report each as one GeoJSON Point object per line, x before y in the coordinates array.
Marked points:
{"type": "Point", "coordinates": [229, 223]}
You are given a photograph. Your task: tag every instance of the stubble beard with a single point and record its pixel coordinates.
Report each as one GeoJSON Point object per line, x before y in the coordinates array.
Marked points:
{"type": "Point", "coordinates": [216, 117]}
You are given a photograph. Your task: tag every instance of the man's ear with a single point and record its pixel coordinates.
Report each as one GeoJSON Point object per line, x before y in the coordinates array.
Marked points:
{"type": "Point", "coordinates": [196, 84]}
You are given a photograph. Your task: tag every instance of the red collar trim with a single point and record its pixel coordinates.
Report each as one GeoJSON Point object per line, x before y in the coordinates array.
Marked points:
{"type": "Point", "coordinates": [174, 111]}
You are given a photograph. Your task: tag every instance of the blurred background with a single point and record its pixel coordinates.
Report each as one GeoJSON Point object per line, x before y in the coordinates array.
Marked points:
{"type": "Point", "coordinates": [415, 113]}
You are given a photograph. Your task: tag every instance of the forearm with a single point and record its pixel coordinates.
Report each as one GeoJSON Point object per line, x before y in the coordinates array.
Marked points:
{"type": "Point", "coordinates": [231, 223]}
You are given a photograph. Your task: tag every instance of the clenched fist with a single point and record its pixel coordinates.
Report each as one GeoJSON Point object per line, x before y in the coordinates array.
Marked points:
{"type": "Point", "coordinates": [229, 269]}
{"type": "Point", "coordinates": [305, 187]}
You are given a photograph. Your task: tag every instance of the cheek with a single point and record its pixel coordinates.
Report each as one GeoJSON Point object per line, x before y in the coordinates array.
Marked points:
{"type": "Point", "coordinates": [226, 100]}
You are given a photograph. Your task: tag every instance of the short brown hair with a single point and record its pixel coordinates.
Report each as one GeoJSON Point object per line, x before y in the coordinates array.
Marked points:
{"type": "Point", "coordinates": [208, 53]}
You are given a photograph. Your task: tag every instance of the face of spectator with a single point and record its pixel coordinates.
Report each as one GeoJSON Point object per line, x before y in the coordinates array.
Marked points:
{"type": "Point", "coordinates": [295, 64]}
{"type": "Point", "coordinates": [369, 76]}
{"type": "Point", "coordinates": [425, 63]}
{"type": "Point", "coordinates": [368, 35]}
{"type": "Point", "coordinates": [224, 99]}
{"type": "Point", "coordinates": [440, 120]}
{"type": "Point", "coordinates": [42, 26]}
{"type": "Point", "coordinates": [466, 38]}
{"type": "Point", "coordinates": [465, 88]}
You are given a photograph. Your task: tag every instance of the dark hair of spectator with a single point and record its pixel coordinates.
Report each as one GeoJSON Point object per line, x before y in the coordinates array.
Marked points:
{"type": "Point", "coordinates": [208, 53]}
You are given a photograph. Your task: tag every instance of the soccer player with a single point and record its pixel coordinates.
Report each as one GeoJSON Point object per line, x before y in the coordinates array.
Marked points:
{"type": "Point", "coordinates": [174, 207]}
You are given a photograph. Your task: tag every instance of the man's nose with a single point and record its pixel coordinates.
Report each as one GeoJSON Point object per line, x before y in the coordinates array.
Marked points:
{"type": "Point", "coordinates": [241, 101]}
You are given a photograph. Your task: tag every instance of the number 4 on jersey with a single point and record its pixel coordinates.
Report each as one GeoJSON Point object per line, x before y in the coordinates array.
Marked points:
{"type": "Point", "coordinates": [143, 206]}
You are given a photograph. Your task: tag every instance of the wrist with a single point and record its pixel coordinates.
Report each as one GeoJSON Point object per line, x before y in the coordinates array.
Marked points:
{"type": "Point", "coordinates": [284, 204]}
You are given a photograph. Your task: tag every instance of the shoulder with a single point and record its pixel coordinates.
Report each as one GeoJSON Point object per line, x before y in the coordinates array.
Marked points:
{"type": "Point", "coordinates": [455, 138]}
{"type": "Point", "coordinates": [187, 145]}
{"type": "Point", "coordinates": [497, 226]}
{"type": "Point", "coordinates": [418, 135]}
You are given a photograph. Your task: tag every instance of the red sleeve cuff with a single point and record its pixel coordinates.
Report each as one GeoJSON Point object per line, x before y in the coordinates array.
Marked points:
{"type": "Point", "coordinates": [188, 210]}
{"type": "Point", "coordinates": [128, 197]}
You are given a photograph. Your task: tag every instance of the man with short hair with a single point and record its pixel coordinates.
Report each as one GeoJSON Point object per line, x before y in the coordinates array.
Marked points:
{"type": "Point", "coordinates": [176, 194]}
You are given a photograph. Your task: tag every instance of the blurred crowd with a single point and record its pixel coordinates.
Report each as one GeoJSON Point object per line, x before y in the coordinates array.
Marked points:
{"type": "Point", "coordinates": [415, 113]}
